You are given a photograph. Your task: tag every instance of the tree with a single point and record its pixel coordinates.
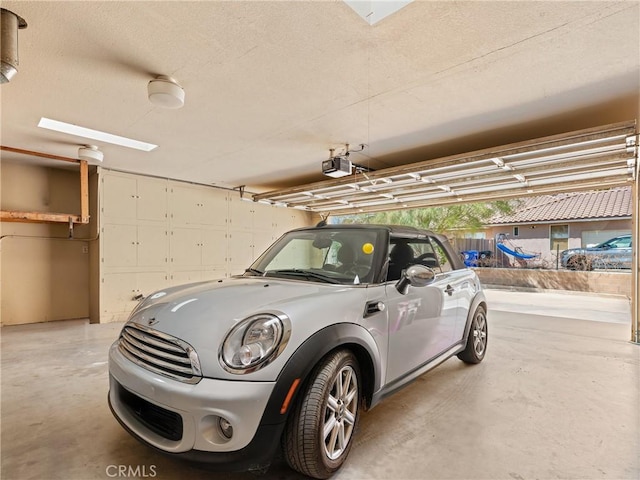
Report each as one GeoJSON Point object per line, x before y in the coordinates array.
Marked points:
{"type": "Point", "coordinates": [446, 219]}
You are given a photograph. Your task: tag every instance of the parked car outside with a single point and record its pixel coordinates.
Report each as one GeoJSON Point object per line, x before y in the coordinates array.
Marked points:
{"type": "Point", "coordinates": [321, 327]}
{"type": "Point", "coordinates": [614, 253]}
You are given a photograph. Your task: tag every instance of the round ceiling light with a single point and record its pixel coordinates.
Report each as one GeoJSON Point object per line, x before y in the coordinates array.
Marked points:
{"type": "Point", "coordinates": [90, 153]}
{"type": "Point", "coordinates": [165, 92]}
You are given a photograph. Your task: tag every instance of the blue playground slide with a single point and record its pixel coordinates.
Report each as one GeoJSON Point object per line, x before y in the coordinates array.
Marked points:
{"type": "Point", "coordinates": [508, 251]}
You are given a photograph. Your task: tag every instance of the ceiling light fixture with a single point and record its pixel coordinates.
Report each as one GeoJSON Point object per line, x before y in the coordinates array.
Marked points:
{"type": "Point", "coordinates": [71, 129]}
{"type": "Point", "coordinates": [90, 153]}
{"type": "Point", "coordinates": [165, 92]}
{"type": "Point", "coordinates": [10, 23]}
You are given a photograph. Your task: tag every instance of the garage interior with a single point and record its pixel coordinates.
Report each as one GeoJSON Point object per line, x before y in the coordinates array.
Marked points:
{"type": "Point", "coordinates": [436, 102]}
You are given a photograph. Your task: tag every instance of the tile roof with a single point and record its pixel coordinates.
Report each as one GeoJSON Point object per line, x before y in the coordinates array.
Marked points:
{"type": "Point", "coordinates": [612, 203]}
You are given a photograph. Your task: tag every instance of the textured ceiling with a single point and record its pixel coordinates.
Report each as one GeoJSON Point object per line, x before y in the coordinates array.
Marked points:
{"type": "Point", "coordinates": [271, 86]}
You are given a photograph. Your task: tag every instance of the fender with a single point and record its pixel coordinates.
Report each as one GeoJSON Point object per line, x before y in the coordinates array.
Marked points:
{"type": "Point", "coordinates": [308, 355]}
{"type": "Point", "coordinates": [478, 300]}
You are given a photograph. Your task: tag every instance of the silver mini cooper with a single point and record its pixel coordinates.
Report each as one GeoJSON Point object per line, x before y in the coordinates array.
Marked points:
{"type": "Point", "coordinates": [324, 325]}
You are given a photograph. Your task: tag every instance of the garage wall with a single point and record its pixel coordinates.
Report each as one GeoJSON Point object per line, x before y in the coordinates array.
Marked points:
{"type": "Point", "coordinates": [44, 275]}
{"type": "Point", "coordinates": [157, 232]}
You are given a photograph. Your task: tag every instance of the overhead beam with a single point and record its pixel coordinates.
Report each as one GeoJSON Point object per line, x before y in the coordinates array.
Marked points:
{"type": "Point", "coordinates": [46, 217]}
{"type": "Point", "coordinates": [604, 147]}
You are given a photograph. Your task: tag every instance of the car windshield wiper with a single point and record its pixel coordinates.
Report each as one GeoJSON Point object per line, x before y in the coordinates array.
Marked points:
{"type": "Point", "coordinates": [253, 271]}
{"type": "Point", "coordinates": [309, 274]}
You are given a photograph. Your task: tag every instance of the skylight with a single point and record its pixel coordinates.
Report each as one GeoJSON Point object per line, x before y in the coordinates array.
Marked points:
{"type": "Point", "coordinates": [78, 131]}
{"type": "Point", "coordinates": [375, 10]}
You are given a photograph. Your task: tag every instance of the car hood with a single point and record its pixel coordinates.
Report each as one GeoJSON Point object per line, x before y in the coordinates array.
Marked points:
{"type": "Point", "coordinates": [202, 314]}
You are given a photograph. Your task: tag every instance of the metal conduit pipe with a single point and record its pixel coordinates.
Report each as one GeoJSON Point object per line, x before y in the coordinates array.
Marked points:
{"type": "Point", "coordinates": [10, 23]}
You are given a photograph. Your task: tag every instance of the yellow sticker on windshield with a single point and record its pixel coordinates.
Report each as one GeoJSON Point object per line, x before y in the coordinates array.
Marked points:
{"type": "Point", "coordinates": [367, 248]}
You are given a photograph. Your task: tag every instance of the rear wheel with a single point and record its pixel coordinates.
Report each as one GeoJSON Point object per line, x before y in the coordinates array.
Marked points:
{"type": "Point", "coordinates": [477, 338]}
{"type": "Point", "coordinates": [320, 430]}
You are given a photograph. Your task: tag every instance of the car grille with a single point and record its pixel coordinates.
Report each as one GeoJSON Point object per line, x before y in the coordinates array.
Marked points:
{"type": "Point", "coordinates": [160, 353]}
{"type": "Point", "coordinates": [159, 420]}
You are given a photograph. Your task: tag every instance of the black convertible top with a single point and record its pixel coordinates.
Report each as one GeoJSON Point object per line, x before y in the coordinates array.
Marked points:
{"type": "Point", "coordinates": [399, 231]}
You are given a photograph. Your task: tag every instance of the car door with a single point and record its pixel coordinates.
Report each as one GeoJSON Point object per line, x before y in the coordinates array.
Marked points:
{"type": "Point", "coordinates": [619, 253]}
{"type": "Point", "coordinates": [461, 286]}
{"type": "Point", "coordinates": [615, 253]}
{"type": "Point", "coordinates": [422, 322]}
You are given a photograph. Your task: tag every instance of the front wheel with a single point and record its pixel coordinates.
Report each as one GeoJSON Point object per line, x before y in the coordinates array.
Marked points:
{"type": "Point", "coordinates": [477, 338]}
{"type": "Point", "coordinates": [319, 432]}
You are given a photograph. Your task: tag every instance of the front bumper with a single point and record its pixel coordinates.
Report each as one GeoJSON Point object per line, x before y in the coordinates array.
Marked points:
{"type": "Point", "coordinates": [182, 419]}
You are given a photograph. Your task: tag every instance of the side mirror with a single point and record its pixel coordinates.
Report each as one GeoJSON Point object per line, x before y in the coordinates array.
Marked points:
{"type": "Point", "coordinates": [415, 275]}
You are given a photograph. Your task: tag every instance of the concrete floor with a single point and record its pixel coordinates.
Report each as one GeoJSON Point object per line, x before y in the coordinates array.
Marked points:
{"type": "Point", "coordinates": [556, 397]}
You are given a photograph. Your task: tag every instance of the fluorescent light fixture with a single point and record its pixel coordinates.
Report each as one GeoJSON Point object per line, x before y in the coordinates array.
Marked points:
{"type": "Point", "coordinates": [71, 129]}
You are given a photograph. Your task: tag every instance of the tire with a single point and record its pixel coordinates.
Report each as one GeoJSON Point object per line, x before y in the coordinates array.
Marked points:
{"type": "Point", "coordinates": [477, 339]}
{"type": "Point", "coordinates": [330, 403]}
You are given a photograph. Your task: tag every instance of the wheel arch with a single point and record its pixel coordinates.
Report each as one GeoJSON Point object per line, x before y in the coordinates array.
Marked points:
{"type": "Point", "coordinates": [478, 301]}
{"type": "Point", "coordinates": [296, 373]}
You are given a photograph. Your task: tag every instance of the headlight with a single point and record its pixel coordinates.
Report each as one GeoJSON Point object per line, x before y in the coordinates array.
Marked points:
{"type": "Point", "coordinates": [254, 342]}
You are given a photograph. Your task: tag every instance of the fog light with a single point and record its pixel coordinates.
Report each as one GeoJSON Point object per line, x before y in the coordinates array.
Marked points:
{"type": "Point", "coordinates": [225, 427]}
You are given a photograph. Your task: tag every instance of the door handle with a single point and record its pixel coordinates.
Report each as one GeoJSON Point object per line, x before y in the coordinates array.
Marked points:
{"type": "Point", "coordinates": [449, 290]}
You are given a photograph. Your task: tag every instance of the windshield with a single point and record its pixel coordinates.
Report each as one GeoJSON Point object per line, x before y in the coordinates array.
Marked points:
{"type": "Point", "coordinates": [344, 256]}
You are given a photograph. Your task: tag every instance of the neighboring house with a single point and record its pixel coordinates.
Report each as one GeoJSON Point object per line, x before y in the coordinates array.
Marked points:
{"type": "Point", "coordinates": [548, 224]}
